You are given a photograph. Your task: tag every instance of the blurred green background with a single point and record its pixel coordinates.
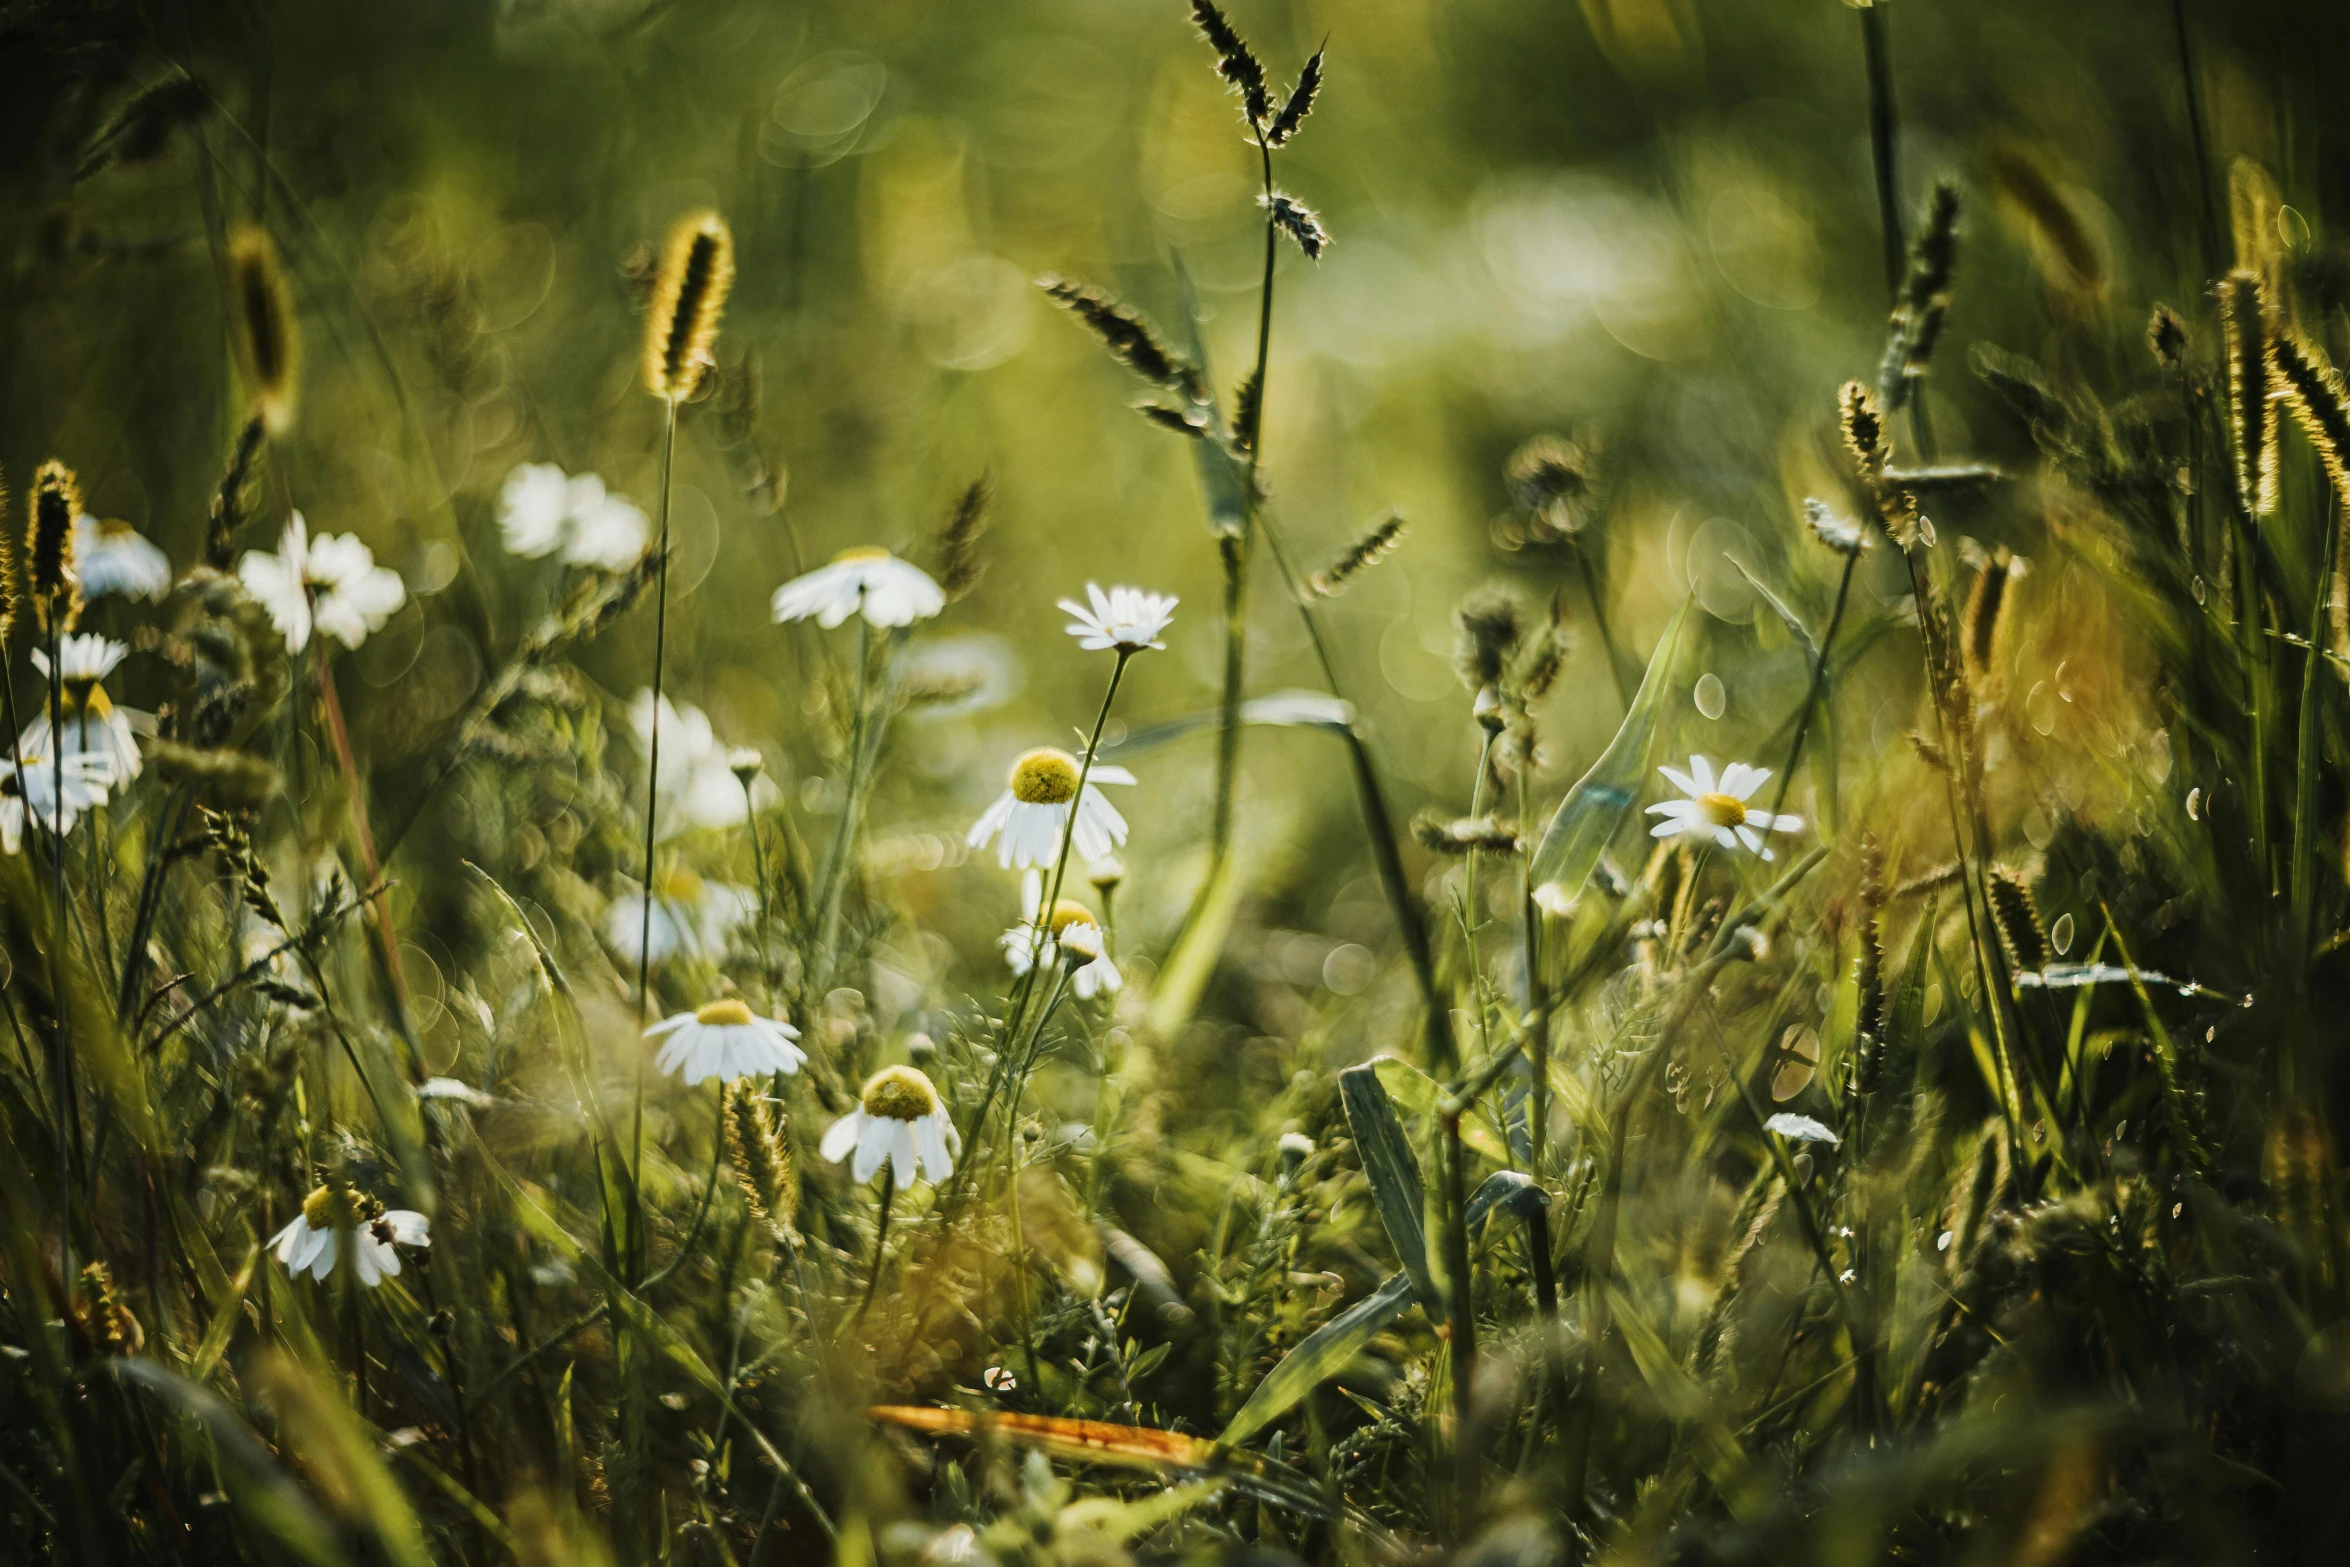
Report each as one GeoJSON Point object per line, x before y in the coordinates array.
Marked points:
{"type": "Point", "coordinates": [1649, 224]}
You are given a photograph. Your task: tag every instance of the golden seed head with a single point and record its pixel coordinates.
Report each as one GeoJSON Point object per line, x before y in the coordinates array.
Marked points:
{"type": "Point", "coordinates": [729, 1013]}
{"type": "Point", "coordinates": [265, 320]}
{"type": "Point", "coordinates": [901, 1094]}
{"type": "Point", "coordinates": [1723, 810]}
{"type": "Point", "coordinates": [689, 294]}
{"type": "Point", "coordinates": [1045, 777]}
{"type": "Point", "coordinates": [56, 501]}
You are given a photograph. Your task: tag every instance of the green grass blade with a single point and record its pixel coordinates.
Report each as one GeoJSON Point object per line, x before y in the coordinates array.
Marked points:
{"type": "Point", "coordinates": [1392, 1169]}
{"type": "Point", "coordinates": [1323, 1354]}
{"type": "Point", "coordinates": [1595, 809]}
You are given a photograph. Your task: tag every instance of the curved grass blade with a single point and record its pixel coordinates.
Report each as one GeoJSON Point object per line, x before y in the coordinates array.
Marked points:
{"type": "Point", "coordinates": [1589, 818]}
{"type": "Point", "coordinates": [1393, 1171]}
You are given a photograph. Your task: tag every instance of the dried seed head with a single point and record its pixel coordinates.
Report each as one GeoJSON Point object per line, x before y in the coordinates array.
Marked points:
{"type": "Point", "coordinates": [1874, 1017]}
{"type": "Point", "coordinates": [2049, 213]}
{"type": "Point", "coordinates": [1935, 880]}
{"type": "Point", "coordinates": [1838, 532]}
{"type": "Point", "coordinates": [1129, 337]}
{"type": "Point", "coordinates": [1490, 628]}
{"type": "Point", "coordinates": [1374, 546]}
{"type": "Point", "coordinates": [761, 1158]}
{"type": "Point", "coordinates": [2252, 423]}
{"type": "Point", "coordinates": [1925, 298]}
{"type": "Point", "coordinates": [2017, 915]}
{"type": "Point", "coordinates": [49, 580]}
{"type": "Point", "coordinates": [959, 562]}
{"type": "Point", "coordinates": [2166, 334]}
{"type": "Point", "coordinates": [1863, 428]}
{"type": "Point", "coordinates": [1299, 104]}
{"type": "Point", "coordinates": [1553, 478]}
{"type": "Point", "coordinates": [2312, 389]}
{"type": "Point", "coordinates": [228, 501]}
{"type": "Point", "coordinates": [265, 326]}
{"type": "Point", "coordinates": [1294, 218]}
{"type": "Point", "coordinates": [8, 583]}
{"type": "Point", "coordinates": [1234, 62]}
{"type": "Point", "coordinates": [1248, 411]}
{"type": "Point", "coordinates": [143, 126]}
{"type": "Point", "coordinates": [689, 294]}
{"type": "Point", "coordinates": [1986, 611]}
{"type": "Point", "coordinates": [1440, 834]}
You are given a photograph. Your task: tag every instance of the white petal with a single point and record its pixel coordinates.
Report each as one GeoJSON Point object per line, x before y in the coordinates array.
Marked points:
{"type": "Point", "coordinates": [873, 1140]}
{"type": "Point", "coordinates": [902, 1156]}
{"type": "Point", "coordinates": [1680, 780]}
{"type": "Point", "coordinates": [841, 1136]}
{"type": "Point", "coordinates": [1725, 837]}
{"type": "Point", "coordinates": [1703, 771]}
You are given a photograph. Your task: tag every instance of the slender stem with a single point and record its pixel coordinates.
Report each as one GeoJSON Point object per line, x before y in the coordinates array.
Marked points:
{"type": "Point", "coordinates": [1883, 122]}
{"type": "Point", "coordinates": [1607, 640]}
{"type": "Point", "coordinates": [2212, 251]}
{"type": "Point", "coordinates": [1537, 1012]}
{"type": "Point", "coordinates": [644, 951]}
{"type": "Point", "coordinates": [844, 832]}
{"type": "Point", "coordinates": [1234, 554]}
{"type": "Point", "coordinates": [1093, 745]}
{"type": "Point", "coordinates": [69, 1110]}
{"type": "Point", "coordinates": [889, 1192]}
{"type": "Point", "coordinates": [1819, 684]}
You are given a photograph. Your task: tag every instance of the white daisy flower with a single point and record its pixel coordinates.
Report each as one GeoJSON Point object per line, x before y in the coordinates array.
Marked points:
{"type": "Point", "coordinates": [330, 1218]}
{"type": "Point", "coordinates": [534, 504]}
{"type": "Point", "coordinates": [34, 787]}
{"type": "Point", "coordinates": [1033, 812]}
{"type": "Point", "coordinates": [900, 1121]}
{"type": "Point", "coordinates": [690, 915]}
{"type": "Point", "coordinates": [606, 530]}
{"type": "Point", "coordinates": [725, 1040]}
{"type": "Point", "coordinates": [1125, 619]}
{"type": "Point", "coordinates": [330, 584]}
{"type": "Point", "coordinates": [1800, 1129]}
{"type": "Point", "coordinates": [884, 589]}
{"type": "Point", "coordinates": [697, 786]}
{"type": "Point", "coordinates": [111, 556]}
{"type": "Point", "coordinates": [1072, 933]}
{"type": "Point", "coordinates": [1717, 808]}
{"type": "Point", "coordinates": [94, 726]}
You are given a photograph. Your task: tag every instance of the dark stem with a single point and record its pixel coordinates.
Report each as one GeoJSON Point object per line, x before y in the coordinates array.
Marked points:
{"type": "Point", "coordinates": [644, 952]}
{"type": "Point", "coordinates": [889, 1192]}
{"type": "Point", "coordinates": [1883, 123]}
{"type": "Point", "coordinates": [2212, 249]}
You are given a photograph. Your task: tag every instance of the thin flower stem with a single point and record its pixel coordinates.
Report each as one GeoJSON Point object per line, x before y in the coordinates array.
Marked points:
{"type": "Point", "coordinates": [1607, 640]}
{"type": "Point", "coordinates": [844, 832]}
{"type": "Point", "coordinates": [889, 1192]}
{"type": "Point", "coordinates": [1093, 744]}
{"type": "Point", "coordinates": [1818, 687]}
{"type": "Point", "coordinates": [644, 953]}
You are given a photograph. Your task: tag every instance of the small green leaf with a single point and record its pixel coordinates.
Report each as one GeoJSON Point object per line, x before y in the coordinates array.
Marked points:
{"type": "Point", "coordinates": [1594, 810]}
{"type": "Point", "coordinates": [1323, 1354]}
{"type": "Point", "coordinates": [1392, 1169]}
{"type": "Point", "coordinates": [1417, 1093]}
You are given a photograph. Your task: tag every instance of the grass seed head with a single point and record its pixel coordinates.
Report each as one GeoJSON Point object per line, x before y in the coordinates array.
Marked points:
{"type": "Point", "coordinates": [2252, 420]}
{"type": "Point", "coordinates": [1235, 62]}
{"type": "Point", "coordinates": [1374, 545]}
{"type": "Point", "coordinates": [55, 502]}
{"type": "Point", "coordinates": [689, 295]}
{"type": "Point", "coordinates": [265, 326]}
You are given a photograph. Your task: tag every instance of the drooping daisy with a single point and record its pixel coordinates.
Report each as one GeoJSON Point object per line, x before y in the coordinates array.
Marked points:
{"type": "Point", "coordinates": [330, 584]}
{"type": "Point", "coordinates": [1072, 934]}
{"type": "Point", "coordinates": [697, 786]}
{"type": "Point", "coordinates": [111, 556]}
{"type": "Point", "coordinates": [328, 1217]}
{"type": "Point", "coordinates": [1125, 619]}
{"type": "Point", "coordinates": [533, 506]}
{"type": "Point", "coordinates": [690, 915]}
{"type": "Point", "coordinates": [34, 788]}
{"type": "Point", "coordinates": [606, 530]}
{"type": "Point", "coordinates": [884, 589]}
{"type": "Point", "coordinates": [94, 726]}
{"type": "Point", "coordinates": [725, 1040]}
{"type": "Point", "coordinates": [900, 1121]}
{"type": "Point", "coordinates": [1032, 812]}
{"type": "Point", "coordinates": [1717, 808]}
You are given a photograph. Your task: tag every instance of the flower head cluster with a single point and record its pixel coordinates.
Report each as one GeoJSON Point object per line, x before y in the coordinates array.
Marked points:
{"type": "Point", "coordinates": [887, 591]}
{"type": "Point", "coordinates": [899, 1121]}
{"type": "Point", "coordinates": [1124, 620]}
{"type": "Point", "coordinates": [699, 785]}
{"type": "Point", "coordinates": [689, 915]}
{"type": "Point", "coordinates": [1035, 809]}
{"type": "Point", "coordinates": [331, 1219]}
{"type": "Point", "coordinates": [1716, 808]}
{"type": "Point", "coordinates": [542, 510]}
{"type": "Point", "coordinates": [726, 1040]}
{"type": "Point", "coordinates": [330, 584]}
{"type": "Point", "coordinates": [93, 725]}
{"type": "Point", "coordinates": [114, 557]}
{"type": "Point", "coordinates": [1071, 934]}
{"type": "Point", "coordinates": [50, 794]}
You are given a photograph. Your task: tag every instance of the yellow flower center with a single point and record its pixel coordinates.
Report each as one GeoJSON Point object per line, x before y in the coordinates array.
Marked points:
{"type": "Point", "coordinates": [92, 698]}
{"type": "Point", "coordinates": [861, 552]}
{"type": "Point", "coordinates": [1070, 912]}
{"type": "Point", "coordinates": [678, 885]}
{"type": "Point", "coordinates": [1723, 810]}
{"type": "Point", "coordinates": [900, 1093]}
{"type": "Point", "coordinates": [1045, 777]}
{"type": "Point", "coordinates": [115, 528]}
{"type": "Point", "coordinates": [723, 1014]}
{"type": "Point", "coordinates": [329, 1209]}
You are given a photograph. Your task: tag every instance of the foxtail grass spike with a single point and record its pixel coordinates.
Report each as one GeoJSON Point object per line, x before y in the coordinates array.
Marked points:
{"type": "Point", "coordinates": [1863, 428]}
{"type": "Point", "coordinates": [761, 1158]}
{"type": "Point", "coordinates": [2312, 388]}
{"type": "Point", "coordinates": [2252, 421]}
{"type": "Point", "coordinates": [1440, 834]}
{"type": "Point", "coordinates": [8, 584]}
{"type": "Point", "coordinates": [1293, 218]}
{"type": "Point", "coordinates": [959, 561]}
{"type": "Point", "coordinates": [55, 502]}
{"type": "Point", "coordinates": [265, 326]}
{"type": "Point", "coordinates": [1373, 547]}
{"type": "Point", "coordinates": [228, 501]}
{"type": "Point", "coordinates": [2017, 914]}
{"type": "Point", "coordinates": [1234, 62]}
{"type": "Point", "coordinates": [2166, 334]}
{"type": "Point", "coordinates": [1127, 336]}
{"type": "Point", "coordinates": [1299, 104]}
{"type": "Point", "coordinates": [1248, 408]}
{"type": "Point", "coordinates": [1985, 610]}
{"type": "Point", "coordinates": [1869, 973]}
{"type": "Point", "coordinates": [1925, 299]}
{"type": "Point", "coordinates": [689, 295]}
